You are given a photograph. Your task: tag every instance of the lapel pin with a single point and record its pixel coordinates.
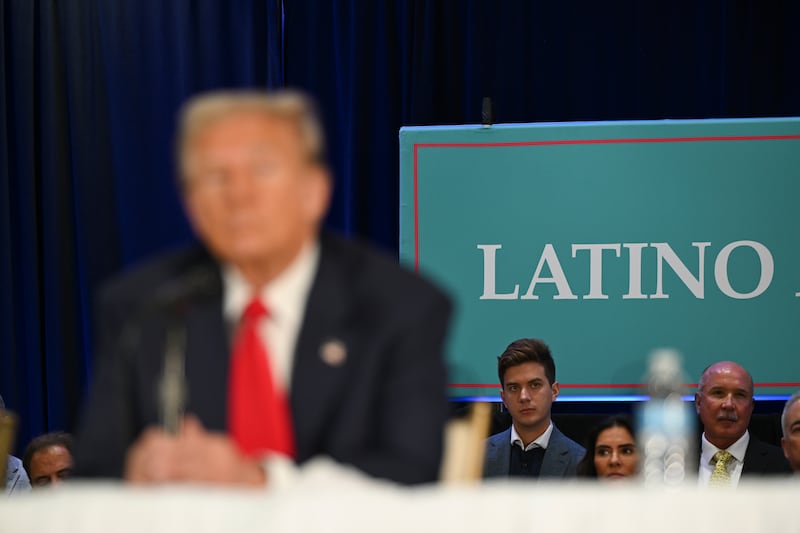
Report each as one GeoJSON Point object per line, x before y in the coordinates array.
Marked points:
{"type": "Point", "coordinates": [333, 352]}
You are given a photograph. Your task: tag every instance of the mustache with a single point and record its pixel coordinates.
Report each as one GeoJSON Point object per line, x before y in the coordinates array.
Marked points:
{"type": "Point", "coordinates": [728, 416]}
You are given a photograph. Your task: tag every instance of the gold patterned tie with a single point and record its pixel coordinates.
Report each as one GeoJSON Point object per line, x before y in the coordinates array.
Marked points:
{"type": "Point", "coordinates": [720, 476]}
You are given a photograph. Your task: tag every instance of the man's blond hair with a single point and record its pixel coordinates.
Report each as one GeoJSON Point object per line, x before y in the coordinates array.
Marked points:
{"type": "Point", "coordinates": [294, 106]}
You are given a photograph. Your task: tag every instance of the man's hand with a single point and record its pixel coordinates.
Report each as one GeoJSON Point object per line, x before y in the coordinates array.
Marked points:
{"type": "Point", "coordinates": [153, 458]}
{"type": "Point", "coordinates": [196, 455]}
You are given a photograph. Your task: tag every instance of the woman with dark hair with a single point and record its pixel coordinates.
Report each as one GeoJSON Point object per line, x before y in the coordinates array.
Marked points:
{"type": "Point", "coordinates": [611, 451]}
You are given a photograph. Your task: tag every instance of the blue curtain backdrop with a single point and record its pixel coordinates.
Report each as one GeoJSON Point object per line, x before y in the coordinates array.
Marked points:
{"type": "Point", "coordinates": [89, 90]}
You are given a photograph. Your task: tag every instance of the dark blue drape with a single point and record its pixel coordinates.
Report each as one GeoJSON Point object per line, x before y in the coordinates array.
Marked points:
{"type": "Point", "coordinates": [89, 90]}
{"type": "Point", "coordinates": [89, 93]}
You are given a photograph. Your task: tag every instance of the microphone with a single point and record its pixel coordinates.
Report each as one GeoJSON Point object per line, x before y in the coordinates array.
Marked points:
{"type": "Point", "coordinates": [173, 298]}
{"type": "Point", "coordinates": [171, 301]}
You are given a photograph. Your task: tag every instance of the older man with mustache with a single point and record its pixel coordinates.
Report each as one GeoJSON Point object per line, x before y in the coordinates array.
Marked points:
{"type": "Point", "coordinates": [724, 402]}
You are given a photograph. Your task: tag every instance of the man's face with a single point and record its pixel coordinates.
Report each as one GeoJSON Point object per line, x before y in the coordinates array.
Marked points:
{"type": "Point", "coordinates": [528, 395]}
{"type": "Point", "coordinates": [791, 442]}
{"type": "Point", "coordinates": [50, 466]}
{"type": "Point", "coordinates": [252, 192]}
{"type": "Point", "coordinates": [724, 403]}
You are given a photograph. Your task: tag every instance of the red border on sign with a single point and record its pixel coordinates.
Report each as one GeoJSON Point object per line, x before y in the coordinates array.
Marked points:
{"type": "Point", "coordinates": [607, 385]}
{"type": "Point", "coordinates": [417, 146]}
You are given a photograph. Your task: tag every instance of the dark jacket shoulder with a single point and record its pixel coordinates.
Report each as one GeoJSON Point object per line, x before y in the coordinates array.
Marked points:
{"type": "Point", "coordinates": [372, 274]}
{"type": "Point", "coordinates": [764, 459]}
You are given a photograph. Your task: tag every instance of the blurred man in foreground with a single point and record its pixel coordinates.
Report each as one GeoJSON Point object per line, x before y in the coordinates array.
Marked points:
{"type": "Point", "coordinates": [297, 342]}
{"type": "Point", "coordinates": [790, 423]}
{"type": "Point", "coordinates": [532, 447]}
{"type": "Point", "coordinates": [48, 459]}
{"type": "Point", "coordinates": [724, 402]}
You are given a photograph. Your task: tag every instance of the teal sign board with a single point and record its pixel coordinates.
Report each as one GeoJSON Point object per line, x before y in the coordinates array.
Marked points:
{"type": "Point", "coordinates": [608, 240]}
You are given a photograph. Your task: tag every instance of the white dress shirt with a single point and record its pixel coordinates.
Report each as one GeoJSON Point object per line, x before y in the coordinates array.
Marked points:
{"type": "Point", "coordinates": [707, 451]}
{"type": "Point", "coordinates": [540, 442]}
{"type": "Point", "coordinates": [285, 299]}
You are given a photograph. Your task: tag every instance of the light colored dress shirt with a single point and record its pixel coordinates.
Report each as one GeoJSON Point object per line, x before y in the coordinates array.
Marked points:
{"type": "Point", "coordinates": [540, 442]}
{"type": "Point", "coordinates": [285, 298]}
{"type": "Point", "coordinates": [707, 451]}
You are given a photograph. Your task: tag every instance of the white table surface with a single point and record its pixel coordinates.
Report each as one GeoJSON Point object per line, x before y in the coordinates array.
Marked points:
{"type": "Point", "coordinates": [327, 499]}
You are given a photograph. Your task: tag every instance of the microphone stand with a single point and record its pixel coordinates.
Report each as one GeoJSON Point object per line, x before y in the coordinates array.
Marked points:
{"type": "Point", "coordinates": [173, 389]}
{"type": "Point", "coordinates": [171, 301]}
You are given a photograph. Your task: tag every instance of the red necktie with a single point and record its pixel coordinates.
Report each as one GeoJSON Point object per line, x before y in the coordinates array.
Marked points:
{"type": "Point", "coordinates": [258, 412]}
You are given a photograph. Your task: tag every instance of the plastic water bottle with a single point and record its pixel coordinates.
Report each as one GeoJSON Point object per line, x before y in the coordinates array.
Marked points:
{"type": "Point", "coordinates": [665, 423]}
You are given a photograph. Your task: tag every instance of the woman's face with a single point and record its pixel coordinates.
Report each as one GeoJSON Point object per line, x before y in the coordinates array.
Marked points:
{"type": "Point", "coordinates": [615, 454]}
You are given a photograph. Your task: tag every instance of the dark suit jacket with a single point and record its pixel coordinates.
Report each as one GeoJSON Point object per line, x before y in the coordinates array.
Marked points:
{"type": "Point", "coordinates": [382, 410]}
{"type": "Point", "coordinates": [763, 459]}
{"type": "Point", "coordinates": [560, 459]}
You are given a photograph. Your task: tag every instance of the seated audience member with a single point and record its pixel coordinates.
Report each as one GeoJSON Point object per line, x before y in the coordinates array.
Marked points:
{"type": "Point", "coordinates": [790, 422]}
{"type": "Point", "coordinates": [16, 478]}
{"type": "Point", "coordinates": [48, 459]}
{"type": "Point", "coordinates": [611, 451]}
{"type": "Point", "coordinates": [298, 343]}
{"type": "Point", "coordinates": [532, 446]}
{"type": "Point", "coordinates": [724, 402]}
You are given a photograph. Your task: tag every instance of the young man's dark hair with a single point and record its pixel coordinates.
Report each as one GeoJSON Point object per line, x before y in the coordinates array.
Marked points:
{"type": "Point", "coordinates": [526, 351]}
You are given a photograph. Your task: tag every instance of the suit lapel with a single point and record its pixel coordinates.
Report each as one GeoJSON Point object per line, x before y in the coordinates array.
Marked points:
{"type": "Point", "coordinates": [498, 454]}
{"type": "Point", "coordinates": [753, 457]}
{"type": "Point", "coordinates": [318, 378]}
{"type": "Point", "coordinates": [503, 456]}
{"type": "Point", "coordinates": [554, 462]}
{"type": "Point", "coordinates": [208, 353]}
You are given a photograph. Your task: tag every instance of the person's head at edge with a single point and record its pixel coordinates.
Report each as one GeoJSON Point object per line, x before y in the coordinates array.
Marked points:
{"type": "Point", "coordinates": [790, 424]}
{"type": "Point", "coordinates": [253, 177]}
{"type": "Point", "coordinates": [2, 414]}
{"type": "Point", "coordinates": [611, 451]}
{"type": "Point", "coordinates": [48, 459]}
{"type": "Point", "coordinates": [527, 375]}
{"type": "Point", "coordinates": [724, 402]}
